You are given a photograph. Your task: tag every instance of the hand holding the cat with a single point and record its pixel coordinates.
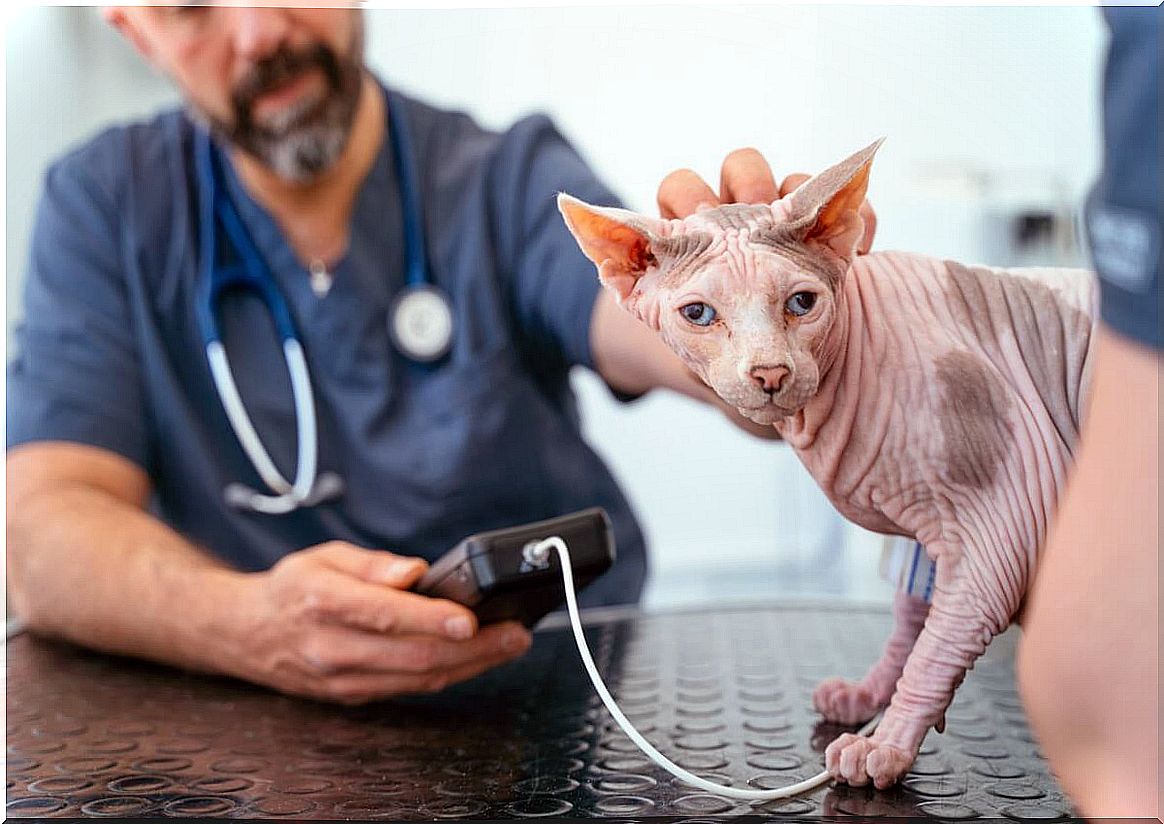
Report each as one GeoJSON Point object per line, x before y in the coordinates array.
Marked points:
{"type": "Point", "coordinates": [745, 177]}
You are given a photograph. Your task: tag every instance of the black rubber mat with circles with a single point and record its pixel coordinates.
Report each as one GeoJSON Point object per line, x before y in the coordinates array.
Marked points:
{"type": "Point", "coordinates": [725, 694]}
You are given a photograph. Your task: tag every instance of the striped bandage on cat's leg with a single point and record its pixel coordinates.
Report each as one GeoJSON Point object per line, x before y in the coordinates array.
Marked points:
{"type": "Point", "coordinates": [846, 702]}
{"type": "Point", "coordinates": [956, 632]}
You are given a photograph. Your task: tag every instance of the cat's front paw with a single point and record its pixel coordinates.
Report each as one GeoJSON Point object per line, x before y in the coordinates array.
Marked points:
{"type": "Point", "coordinates": [843, 702]}
{"type": "Point", "coordinates": [857, 760]}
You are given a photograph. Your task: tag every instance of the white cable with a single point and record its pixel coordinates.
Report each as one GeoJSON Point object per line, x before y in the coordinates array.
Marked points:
{"type": "Point", "coordinates": [538, 551]}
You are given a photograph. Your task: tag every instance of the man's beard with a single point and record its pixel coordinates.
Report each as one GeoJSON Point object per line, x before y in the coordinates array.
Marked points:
{"type": "Point", "coordinates": [307, 138]}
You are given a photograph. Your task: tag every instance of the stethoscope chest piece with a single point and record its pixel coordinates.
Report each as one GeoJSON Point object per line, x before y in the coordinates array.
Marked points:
{"type": "Point", "coordinates": [420, 323]}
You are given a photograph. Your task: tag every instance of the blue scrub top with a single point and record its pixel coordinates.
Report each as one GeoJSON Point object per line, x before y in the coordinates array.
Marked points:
{"type": "Point", "coordinates": [1124, 215]}
{"type": "Point", "coordinates": [110, 355]}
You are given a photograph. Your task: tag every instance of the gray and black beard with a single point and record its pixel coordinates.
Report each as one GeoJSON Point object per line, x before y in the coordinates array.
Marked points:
{"type": "Point", "coordinates": [305, 140]}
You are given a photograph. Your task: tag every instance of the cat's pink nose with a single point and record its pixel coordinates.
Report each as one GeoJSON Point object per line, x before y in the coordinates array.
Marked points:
{"type": "Point", "coordinates": [770, 378]}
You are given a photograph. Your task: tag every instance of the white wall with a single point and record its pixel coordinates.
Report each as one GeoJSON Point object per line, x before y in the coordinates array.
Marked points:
{"type": "Point", "coordinates": [67, 74]}
{"type": "Point", "coordinates": [986, 110]}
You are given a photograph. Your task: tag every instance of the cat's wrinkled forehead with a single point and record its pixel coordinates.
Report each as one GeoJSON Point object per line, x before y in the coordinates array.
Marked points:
{"type": "Point", "coordinates": [752, 222]}
{"type": "Point", "coordinates": [742, 217]}
{"type": "Point", "coordinates": [696, 239]}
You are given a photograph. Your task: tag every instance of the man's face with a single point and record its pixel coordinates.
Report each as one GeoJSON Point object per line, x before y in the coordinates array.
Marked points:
{"type": "Point", "coordinates": [279, 83]}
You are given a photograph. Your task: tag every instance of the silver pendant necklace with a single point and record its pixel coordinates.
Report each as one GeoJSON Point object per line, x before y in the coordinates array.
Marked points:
{"type": "Point", "coordinates": [321, 278]}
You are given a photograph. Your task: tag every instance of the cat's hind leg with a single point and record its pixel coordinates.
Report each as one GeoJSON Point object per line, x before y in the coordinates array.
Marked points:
{"type": "Point", "coordinates": [846, 702]}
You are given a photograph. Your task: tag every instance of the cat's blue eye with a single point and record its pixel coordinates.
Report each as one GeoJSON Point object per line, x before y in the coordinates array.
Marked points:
{"type": "Point", "coordinates": [801, 303]}
{"type": "Point", "coordinates": [698, 313]}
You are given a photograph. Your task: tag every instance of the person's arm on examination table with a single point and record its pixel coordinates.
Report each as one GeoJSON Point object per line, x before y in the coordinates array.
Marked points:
{"type": "Point", "coordinates": [87, 564]}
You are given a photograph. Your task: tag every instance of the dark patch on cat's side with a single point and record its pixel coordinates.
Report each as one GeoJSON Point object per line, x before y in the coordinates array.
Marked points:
{"type": "Point", "coordinates": [1051, 335]}
{"type": "Point", "coordinates": [973, 417]}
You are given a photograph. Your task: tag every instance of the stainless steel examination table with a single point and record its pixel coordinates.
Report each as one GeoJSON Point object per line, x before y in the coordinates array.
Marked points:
{"type": "Point", "coordinates": [724, 693]}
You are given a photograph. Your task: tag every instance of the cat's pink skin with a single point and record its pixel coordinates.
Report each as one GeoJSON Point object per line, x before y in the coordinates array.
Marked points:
{"type": "Point", "coordinates": [844, 702]}
{"type": "Point", "coordinates": [926, 398]}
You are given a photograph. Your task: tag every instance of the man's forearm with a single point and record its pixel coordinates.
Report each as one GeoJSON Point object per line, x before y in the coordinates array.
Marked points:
{"type": "Point", "coordinates": [90, 568]}
{"type": "Point", "coordinates": [631, 357]}
{"type": "Point", "coordinates": [1089, 659]}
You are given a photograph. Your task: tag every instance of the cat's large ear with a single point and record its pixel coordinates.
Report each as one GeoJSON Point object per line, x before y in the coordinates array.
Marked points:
{"type": "Point", "coordinates": [618, 241]}
{"type": "Point", "coordinates": [825, 208]}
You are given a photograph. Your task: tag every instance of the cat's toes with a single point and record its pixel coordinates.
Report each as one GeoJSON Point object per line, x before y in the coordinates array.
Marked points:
{"type": "Point", "coordinates": [845, 759]}
{"type": "Point", "coordinates": [843, 702]}
{"type": "Point", "coordinates": [886, 765]}
{"type": "Point", "coordinates": [857, 760]}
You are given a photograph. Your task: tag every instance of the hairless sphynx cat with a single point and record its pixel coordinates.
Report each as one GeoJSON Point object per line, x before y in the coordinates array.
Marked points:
{"type": "Point", "coordinates": [927, 398]}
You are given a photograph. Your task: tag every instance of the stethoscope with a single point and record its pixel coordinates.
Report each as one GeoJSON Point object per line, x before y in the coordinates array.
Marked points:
{"type": "Point", "coordinates": [420, 323]}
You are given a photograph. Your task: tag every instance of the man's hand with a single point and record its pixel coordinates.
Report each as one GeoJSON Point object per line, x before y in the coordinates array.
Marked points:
{"type": "Point", "coordinates": [745, 177]}
{"type": "Point", "coordinates": [332, 622]}
{"type": "Point", "coordinates": [335, 622]}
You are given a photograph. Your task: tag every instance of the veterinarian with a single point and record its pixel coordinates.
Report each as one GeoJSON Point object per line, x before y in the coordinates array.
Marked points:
{"type": "Point", "coordinates": [283, 346]}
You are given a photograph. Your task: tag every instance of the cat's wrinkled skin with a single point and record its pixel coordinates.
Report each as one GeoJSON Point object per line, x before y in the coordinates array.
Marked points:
{"type": "Point", "coordinates": [927, 399]}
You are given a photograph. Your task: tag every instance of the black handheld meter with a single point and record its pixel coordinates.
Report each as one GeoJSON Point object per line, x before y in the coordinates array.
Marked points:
{"type": "Point", "coordinates": [490, 574]}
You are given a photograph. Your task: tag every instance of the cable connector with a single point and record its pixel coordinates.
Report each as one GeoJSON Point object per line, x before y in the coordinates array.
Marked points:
{"type": "Point", "coordinates": [536, 554]}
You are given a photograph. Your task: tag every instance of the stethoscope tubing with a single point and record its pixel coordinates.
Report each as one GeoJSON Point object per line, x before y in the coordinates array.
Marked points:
{"type": "Point", "coordinates": [289, 495]}
{"type": "Point", "coordinates": [252, 273]}
{"type": "Point", "coordinates": [416, 259]}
